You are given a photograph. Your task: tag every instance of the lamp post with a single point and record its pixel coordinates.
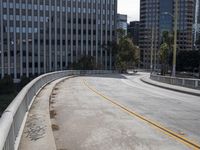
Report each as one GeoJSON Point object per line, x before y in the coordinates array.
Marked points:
{"type": "Point", "coordinates": [175, 17]}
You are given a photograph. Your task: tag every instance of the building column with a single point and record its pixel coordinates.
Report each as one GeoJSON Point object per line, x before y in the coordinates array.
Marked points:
{"type": "Point", "coordinates": [61, 35]}
{"type": "Point", "coordinates": [39, 58]}
{"type": "Point", "coordinates": [27, 44]}
{"type": "Point", "coordinates": [50, 36]}
{"type": "Point", "coordinates": [97, 32]}
{"type": "Point", "coordinates": [66, 32]}
{"type": "Point", "coordinates": [44, 40]}
{"type": "Point", "coordinates": [8, 39]}
{"type": "Point", "coordinates": [21, 49]}
{"type": "Point", "coordinates": [82, 28]}
{"type": "Point", "coordinates": [106, 38]}
{"type": "Point", "coordinates": [15, 46]}
{"type": "Point", "coordinates": [72, 46]}
{"type": "Point", "coordinates": [86, 27]}
{"type": "Point", "coordinates": [2, 40]}
{"type": "Point", "coordinates": [33, 39]}
{"type": "Point", "coordinates": [92, 28]}
{"type": "Point", "coordinates": [77, 52]}
{"type": "Point", "coordinates": [56, 39]}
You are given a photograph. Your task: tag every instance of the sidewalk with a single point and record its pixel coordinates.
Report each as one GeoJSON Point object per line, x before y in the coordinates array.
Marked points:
{"type": "Point", "coordinates": [171, 87]}
{"type": "Point", "coordinates": [38, 132]}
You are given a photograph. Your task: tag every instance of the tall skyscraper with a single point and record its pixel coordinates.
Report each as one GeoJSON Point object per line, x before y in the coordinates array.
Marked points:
{"type": "Point", "coordinates": [157, 16]}
{"type": "Point", "coordinates": [39, 36]}
{"type": "Point", "coordinates": [133, 31]}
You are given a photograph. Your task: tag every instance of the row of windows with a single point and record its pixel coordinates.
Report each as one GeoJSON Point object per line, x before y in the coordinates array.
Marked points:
{"type": "Point", "coordinates": [57, 8]}
{"type": "Point", "coordinates": [36, 30]}
{"type": "Point", "coordinates": [46, 19]}
{"type": "Point", "coordinates": [30, 54]}
{"type": "Point", "coordinates": [58, 42]}
{"type": "Point", "coordinates": [93, 1]}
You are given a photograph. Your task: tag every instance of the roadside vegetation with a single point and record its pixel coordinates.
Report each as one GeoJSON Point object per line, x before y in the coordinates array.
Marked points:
{"type": "Point", "coordinates": [85, 63]}
{"type": "Point", "coordinates": [8, 90]}
{"type": "Point", "coordinates": [188, 62]}
{"type": "Point", "coordinates": [125, 53]}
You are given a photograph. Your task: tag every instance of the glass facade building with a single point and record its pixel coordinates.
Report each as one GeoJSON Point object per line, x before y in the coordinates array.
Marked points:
{"type": "Point", "coordinates": [133, 31]}
{"type": "Point", "coordinates": [166, 19]}
{"type": "Point", "coordinates": [40, 36]}
{"type": "Point", "coordinates": [157, 16]}
{"type": "Point", "coordinates": [122, 22]}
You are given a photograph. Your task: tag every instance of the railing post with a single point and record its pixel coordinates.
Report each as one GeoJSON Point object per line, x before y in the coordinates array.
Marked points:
{"type": "Point", "coordinates": [196, 84]}
{"type": "Point", "coordinates": [183, 82]}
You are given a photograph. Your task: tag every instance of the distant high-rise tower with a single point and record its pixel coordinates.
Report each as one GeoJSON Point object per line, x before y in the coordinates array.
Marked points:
{"type": "Point", "coordinates": [122, 22]}
{"type": "Point", "coordinates": [133, 31]}
{"type": "Point", "coordinates": [157, 16]}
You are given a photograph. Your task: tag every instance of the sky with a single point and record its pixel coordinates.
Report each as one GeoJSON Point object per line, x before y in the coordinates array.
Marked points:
{"type": "Point", "coordinates": [131, 8]}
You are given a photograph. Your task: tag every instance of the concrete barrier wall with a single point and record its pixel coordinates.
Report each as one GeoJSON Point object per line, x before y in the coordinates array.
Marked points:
{"type": "Point", "coordinates": [13, 117]}
{"type": "Point", "coordinates": [185, 82]}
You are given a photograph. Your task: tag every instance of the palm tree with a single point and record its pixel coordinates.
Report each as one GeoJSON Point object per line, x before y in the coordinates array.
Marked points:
{"type": "Point", "coordinates": [163, 57]}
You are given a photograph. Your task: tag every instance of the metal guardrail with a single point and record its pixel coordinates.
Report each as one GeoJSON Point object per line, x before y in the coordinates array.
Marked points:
{"type": "Point", "coordinates": [185, 82]}
{"type": "Point", "coordinates": [14, 116]}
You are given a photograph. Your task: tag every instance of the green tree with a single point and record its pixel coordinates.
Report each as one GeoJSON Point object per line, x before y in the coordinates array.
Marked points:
{"type": "Point", "coordinates": [85, 63]}
{"type": "Point", "coordinates": [127, 54]}
{"type": "Point", "coordinates": [168, 38]}
{"type": "Point", "coordinates": [188, 60]}
{"type": "Point", "coordinates": [164, 48]}
{"type": "Point", "coordinates": [198, 43]}
{"type": "Point", "coordinates": [24, 81]}
{"type": "Point", "coordinates": [7, 85]}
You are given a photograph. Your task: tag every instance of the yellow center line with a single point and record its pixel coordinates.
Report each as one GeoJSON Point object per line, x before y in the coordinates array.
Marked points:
{"type": "Point", "coordinates": [156, 125]}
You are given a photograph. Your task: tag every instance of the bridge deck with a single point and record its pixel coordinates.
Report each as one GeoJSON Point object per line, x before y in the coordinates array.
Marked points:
{"type": "Point", "coordinates": [84, 115]}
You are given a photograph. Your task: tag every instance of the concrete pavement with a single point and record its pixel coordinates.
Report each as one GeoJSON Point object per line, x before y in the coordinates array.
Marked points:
{"type": "Point", "coordinates": [82, 119]}
{"type": "Point", "coordinates": [88, 122]}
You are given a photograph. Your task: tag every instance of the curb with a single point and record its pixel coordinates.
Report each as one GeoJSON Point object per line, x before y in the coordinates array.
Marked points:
{"type": "Point", "coordinates": [172, 89]}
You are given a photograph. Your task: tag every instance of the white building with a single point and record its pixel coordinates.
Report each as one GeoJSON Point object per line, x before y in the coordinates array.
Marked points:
{"type": "Point", "coordinates": [40, 36]}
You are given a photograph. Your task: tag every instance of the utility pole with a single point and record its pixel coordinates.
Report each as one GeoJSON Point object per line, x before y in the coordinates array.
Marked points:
{"type": "Point", "coordinates": [175, 38]}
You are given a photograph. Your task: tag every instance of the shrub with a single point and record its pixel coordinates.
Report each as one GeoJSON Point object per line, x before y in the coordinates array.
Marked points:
{"type": "Point", "coordinates": [7, 85]}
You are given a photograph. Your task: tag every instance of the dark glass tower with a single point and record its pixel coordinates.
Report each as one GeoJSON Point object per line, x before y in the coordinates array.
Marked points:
{"type": "Point", "coordinates": [157, 16]}
{"type": "Point", "coordinates": [166, 19]}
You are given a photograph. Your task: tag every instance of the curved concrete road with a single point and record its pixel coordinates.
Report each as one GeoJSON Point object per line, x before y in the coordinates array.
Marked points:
{"type": "Point", "coordinates": [86, 121]}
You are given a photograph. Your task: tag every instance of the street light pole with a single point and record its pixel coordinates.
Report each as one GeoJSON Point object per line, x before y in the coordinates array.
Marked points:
{"type": "Point", "coordinates": [175, 38]}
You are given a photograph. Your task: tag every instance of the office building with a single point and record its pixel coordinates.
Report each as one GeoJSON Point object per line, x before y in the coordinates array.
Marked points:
{"type": "Point", "coordinates": [122, 22]}
{"type": "Point", "coordinates": [157, 16]}
{"type": "Point", "coordinates": [40, 36]}
{"type": "Point", "coordinates": [133, 31]}
{"type": "Point", "coordinates": [196, 26]}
